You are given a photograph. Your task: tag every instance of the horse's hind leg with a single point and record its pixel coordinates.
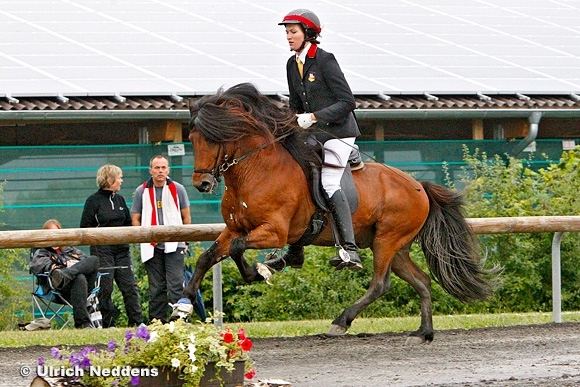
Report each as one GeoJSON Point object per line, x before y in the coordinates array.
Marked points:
{"type": "Point", "coordinates": [377, 288]}
{"type": "Point", "coordinates": [379, 285]}
{"type": "Point", "coordinates": [406, 269]}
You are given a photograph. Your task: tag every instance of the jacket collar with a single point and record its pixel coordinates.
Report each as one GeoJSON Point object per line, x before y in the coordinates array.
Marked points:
{"type": "Point", "coordinates": [309, 51]}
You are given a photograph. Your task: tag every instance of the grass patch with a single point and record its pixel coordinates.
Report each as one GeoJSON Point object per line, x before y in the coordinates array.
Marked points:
{"type": "Point", "coordinates": [292, 328]}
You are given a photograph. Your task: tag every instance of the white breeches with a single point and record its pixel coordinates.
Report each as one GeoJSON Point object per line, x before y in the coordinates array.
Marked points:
{"type": "Point", "coordinates": [336, 152]}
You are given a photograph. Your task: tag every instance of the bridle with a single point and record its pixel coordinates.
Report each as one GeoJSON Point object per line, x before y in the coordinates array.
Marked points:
{"type": "Point", "coordinates": [219, 169]}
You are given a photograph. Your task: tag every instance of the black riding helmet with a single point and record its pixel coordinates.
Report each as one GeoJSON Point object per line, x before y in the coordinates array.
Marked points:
{"type": "Point", "coordinates": [307, 19]}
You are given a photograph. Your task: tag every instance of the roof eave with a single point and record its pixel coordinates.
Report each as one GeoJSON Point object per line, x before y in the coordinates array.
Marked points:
{"type": "Point", "coordinates": [361, 114]}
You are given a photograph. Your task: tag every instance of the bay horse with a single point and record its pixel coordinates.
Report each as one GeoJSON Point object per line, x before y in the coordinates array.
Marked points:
{"type": "Point", "coordinates": [241, 135]}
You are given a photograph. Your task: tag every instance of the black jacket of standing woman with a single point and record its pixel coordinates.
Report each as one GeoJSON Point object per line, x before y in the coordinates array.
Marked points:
{"type": "Point", "coordinates": [106, 208]}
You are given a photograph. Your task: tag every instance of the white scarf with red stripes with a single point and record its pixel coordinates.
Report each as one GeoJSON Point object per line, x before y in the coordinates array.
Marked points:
{"type": "Point", "coordinates": [171, 214]}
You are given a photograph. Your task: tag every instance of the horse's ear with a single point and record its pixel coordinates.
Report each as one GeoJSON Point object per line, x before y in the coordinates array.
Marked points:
{"type": "Point", "coordinates": [190, 104]}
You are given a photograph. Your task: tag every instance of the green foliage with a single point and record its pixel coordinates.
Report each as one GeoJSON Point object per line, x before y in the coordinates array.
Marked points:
{"type": "Point", "coordinates": [14, 294]}
{"type": "Point", "coordinates": [508, 187]}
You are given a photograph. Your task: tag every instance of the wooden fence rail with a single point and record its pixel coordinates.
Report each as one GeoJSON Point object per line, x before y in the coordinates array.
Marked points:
{"type": "Point", "coordinates": [209, 232]}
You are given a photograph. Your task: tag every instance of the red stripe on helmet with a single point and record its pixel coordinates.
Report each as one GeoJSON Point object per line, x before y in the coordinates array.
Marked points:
{"type": "Point", "coordinates": [304, 20]}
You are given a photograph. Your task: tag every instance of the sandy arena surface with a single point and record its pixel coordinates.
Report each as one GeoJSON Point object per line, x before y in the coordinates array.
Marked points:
{"type": "Point", "coordinates": [545, 355]}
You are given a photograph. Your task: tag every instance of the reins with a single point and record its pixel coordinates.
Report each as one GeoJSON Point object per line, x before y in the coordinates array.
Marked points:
{"type": "Point", "coordinates": [218, 170]}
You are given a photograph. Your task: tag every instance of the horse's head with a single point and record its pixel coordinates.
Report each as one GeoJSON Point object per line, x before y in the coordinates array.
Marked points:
{"type": "Point", "coordinates": [207, 160]}
{"type": "Point", "coordinates": [220, 122]}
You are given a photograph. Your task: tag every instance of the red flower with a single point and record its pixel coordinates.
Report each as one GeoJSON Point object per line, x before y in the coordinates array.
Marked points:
{"type": "Point", "coordinates": [250, 374]}
{"type": "Point", "coordinates": [246, 344]}
{"type": "Point", "coordinates": [228, 336]}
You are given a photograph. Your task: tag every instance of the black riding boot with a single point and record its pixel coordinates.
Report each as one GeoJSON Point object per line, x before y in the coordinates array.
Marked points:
{"type": "Point", "coordinates": [340, 211]}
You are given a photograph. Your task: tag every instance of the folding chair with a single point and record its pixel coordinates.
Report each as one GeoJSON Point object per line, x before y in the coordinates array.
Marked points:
{"type": "Point", "coordinates": [50, 304]}
{"type": "Point", "coordinates": [93, 304]}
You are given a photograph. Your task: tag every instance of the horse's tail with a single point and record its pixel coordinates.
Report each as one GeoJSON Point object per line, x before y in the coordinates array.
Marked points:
{"type": "Point", "coordinates": [451, 249]}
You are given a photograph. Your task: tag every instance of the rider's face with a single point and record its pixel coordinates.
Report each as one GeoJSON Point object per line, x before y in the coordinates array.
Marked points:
{"type": "Point", "coordinates": [295, 36]}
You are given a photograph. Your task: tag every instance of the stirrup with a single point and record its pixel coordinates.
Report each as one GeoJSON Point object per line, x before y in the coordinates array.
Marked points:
{"type": "Point", "coordinates": [343, 260]}
{"type": "Point", "coordinates": [275, 261]}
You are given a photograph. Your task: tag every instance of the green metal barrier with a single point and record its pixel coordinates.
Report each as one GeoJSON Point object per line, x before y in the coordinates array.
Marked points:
{"type": "Point", "coordinates": [54, 181]}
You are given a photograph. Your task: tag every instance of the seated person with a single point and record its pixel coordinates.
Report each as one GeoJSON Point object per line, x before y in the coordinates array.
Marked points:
{"type": "Point", "coordinates": [71, 272]}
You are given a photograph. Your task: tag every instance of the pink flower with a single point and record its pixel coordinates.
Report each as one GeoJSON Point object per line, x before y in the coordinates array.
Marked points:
{"type": "Point", "coordinates": [241, 334]}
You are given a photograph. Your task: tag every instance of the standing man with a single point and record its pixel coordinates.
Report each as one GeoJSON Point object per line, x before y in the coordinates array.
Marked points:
{"type": "Point", "coordinates": [161, 201]}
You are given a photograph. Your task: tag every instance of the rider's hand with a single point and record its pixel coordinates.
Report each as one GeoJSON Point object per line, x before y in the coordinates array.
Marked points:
{"type": "Point", "coordinates": [305, 120]}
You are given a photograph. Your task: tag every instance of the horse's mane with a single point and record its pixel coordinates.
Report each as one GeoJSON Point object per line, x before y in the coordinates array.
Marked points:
{"type": "Point", "coordinates": [237, 112]}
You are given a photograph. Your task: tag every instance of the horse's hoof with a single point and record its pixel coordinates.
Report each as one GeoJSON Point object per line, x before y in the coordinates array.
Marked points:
{"type": "Point", "coordinates": [264, 271]}
{"type": "Point", "coordinates": [416, 340]}
{"type": "Point", "coordinates": [276, 263]}
{"type": "Point", "coordinates": [336, 330]}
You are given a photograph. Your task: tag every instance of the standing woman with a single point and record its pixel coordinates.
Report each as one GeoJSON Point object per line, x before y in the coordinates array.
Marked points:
{"type": "Point", "coordinates": [322, 99]}
{"type": "Point", "coordinates": [106, 208]}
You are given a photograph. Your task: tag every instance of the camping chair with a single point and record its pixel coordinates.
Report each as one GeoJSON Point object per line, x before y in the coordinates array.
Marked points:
{"type": "Point", "coordinates": [51, 304]}
{"type": "Point", "coordinates": [93, 303]}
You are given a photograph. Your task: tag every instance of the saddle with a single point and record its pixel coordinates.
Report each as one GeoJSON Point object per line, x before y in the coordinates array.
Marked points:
{"type": "Point", "coordinates": [312, 170]}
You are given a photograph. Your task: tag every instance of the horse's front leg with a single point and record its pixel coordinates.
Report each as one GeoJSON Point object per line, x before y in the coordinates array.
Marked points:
{"type": "Point", "coordinates": [216, 253]}
{"type": "Point", "coordinates": [262, 237]}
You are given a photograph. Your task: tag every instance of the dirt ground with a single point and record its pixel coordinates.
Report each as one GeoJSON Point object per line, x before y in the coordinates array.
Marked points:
{"type": "Point", "coordinates": [534, 355]}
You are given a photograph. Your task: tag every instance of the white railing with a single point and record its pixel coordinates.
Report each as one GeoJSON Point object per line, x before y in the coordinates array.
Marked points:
{"type": "Point", "coordinates": [209, 232]}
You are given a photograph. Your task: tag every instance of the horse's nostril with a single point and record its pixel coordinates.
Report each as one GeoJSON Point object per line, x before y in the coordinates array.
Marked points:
{"type": "Point", "coordinates": [204, 186]}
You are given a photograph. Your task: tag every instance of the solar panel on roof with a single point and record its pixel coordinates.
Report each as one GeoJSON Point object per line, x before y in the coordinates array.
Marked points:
{"type": "Point", "coordinates": [146, 46]}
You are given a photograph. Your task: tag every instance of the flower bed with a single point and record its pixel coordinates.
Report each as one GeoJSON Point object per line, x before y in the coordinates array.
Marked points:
{"type": "Point", "coordinates": [191, 351]}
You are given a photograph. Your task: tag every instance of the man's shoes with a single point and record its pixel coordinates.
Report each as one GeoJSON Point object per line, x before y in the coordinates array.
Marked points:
{"type": "Point", "coordinates": [182, 309]}
{"type": "Point", "coordinates": [56, 279]}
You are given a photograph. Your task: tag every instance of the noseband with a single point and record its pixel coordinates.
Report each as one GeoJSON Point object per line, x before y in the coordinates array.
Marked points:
{"type": "Point", "coordinates": [217, 170]}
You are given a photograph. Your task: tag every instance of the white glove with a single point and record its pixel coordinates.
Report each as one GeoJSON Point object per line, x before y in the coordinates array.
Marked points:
{"type": "Point", "coordinates": [305, 120]}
